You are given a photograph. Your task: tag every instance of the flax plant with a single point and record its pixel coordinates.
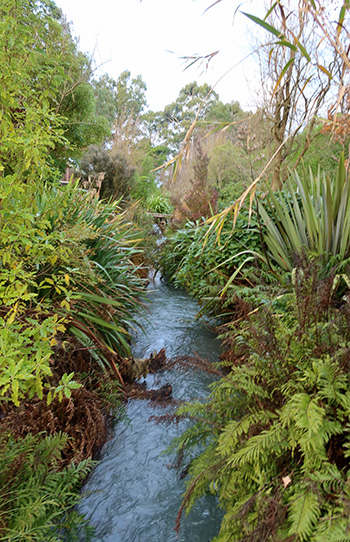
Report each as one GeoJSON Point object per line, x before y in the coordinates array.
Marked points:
{"type": "Point", "coordinates": [110, 306]}
{"type": "Point", "coordinates": [310, 215]}
{"type": "Point", "coordinates": [106, 289]}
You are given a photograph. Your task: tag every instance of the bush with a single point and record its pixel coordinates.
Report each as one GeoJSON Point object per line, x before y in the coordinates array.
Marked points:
{"type": "Point", "coordinates": [118, 173]}
{"type": "Point", "coordinates": [202, 264]}
{"type": "Point", "coordinates": [275, 429]}
{"type": "Point", "coordinates": [157, 203]}
{"type": "Point", "coordinates": [66, 264]}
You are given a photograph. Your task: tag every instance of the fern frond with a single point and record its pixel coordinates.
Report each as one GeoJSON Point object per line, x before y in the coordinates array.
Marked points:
{"type": "Point", "coordinates": [332, 529]}
{"type": "Point", "coordinates": [235, 430]}
{"type": "Point", "coordinates": [259, 447]}
{"type": "Point", "coordinates": [303, 514]}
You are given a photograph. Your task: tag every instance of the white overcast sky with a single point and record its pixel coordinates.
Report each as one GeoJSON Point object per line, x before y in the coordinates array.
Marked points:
{"type": "Point", "coordinates": [149, 38]}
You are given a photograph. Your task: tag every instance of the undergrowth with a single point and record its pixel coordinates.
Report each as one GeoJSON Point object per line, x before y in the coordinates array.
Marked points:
{"type": "Point", "coordinates": [274, 431]}
{"type": "Point", "coordinates": [37, 495]}
{"type": "Point", "coordinates": [215, 269]}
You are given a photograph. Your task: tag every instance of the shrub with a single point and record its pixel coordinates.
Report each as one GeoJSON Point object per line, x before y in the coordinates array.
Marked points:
{"type": "Point", "coordinates": [196, 261]}
{"type": "Point", "coordinates": [118, 173]}
{"type": "Point", "coordinates": [274, 432]}
{"type": "Point", "coordinates": [200, 199]}
{"type": "Point", "coordinates": [157, 203]}
{"type": "Point", "coordinates": [66, 263]}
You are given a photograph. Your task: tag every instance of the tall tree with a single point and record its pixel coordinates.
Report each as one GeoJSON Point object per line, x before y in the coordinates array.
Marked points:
{"type": "Point", "coordinates": [194, 102]}
{"type": "Point", "coordinates": [47, 109]}
{"type": "Point", "coordinates": [120, 100]}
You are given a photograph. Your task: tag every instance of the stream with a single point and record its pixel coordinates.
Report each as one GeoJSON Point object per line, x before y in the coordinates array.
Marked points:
{"type": "Point", "coordinates": [133, 495]}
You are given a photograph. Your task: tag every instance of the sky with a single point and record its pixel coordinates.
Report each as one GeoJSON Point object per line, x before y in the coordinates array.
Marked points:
{"type": "Point", "coordinates": [152, 37]}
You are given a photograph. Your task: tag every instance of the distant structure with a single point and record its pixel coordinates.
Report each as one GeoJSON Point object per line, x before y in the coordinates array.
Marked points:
{"type": "Point", "coordinates": [67, 176]}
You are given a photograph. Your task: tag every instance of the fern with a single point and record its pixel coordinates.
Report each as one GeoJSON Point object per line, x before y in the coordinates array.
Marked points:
{"type": "Point", "coordinates": [37, 496]}
{"type": "Point", "coordinates": [258, 447]}
{"type": "Point", "coordinates": [275, 429]}
{"type": "Point", "coordinates": [336, 529]}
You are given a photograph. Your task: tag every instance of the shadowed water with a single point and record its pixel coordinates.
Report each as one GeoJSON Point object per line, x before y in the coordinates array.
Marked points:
{"type": "Point", "coordinates": [136, 494]}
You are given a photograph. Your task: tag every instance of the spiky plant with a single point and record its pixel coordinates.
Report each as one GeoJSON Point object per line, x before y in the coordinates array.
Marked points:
{"type": "Point", "coordinates": [107, 288]}
{"type": "Point", "coordinates": [312, 214]}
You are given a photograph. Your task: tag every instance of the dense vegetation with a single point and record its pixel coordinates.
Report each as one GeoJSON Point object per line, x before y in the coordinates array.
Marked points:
{"type": "Point", "coordinates": [274, 428]}
{"type": "Point", "coordinates": [271, 440]}
{"type": "Point", "coordinates": [70, 281]}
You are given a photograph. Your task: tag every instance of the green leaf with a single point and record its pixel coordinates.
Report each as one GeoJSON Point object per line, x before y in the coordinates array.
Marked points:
{"type": "Point", "coordinates": [283, 72]}
{"type": "Point", "coordinates": [342, 14]}
{"type": "Point", "coordinates": [265, 25]}
{"type": "Point", "coordinates": [303, 50]}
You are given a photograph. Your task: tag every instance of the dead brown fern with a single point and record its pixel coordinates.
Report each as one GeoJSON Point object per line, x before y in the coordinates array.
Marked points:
{"type": "Point", "coordinates": [82, 416]}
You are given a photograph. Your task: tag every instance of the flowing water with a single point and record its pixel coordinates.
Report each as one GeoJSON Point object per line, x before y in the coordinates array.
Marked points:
{"type": "Point", "coordinates": [135, 494]}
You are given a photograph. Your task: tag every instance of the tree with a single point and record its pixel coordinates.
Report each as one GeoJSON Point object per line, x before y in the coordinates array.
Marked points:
{"type": "Point", "coordinates": [294, 91]}
{"type": "Point", "coordinates": [131, 95]}
{"type": "Point", "coordinates": [120, 100]}
{"type": "Point", "coordinates": [194, 102]}
{"type": "Point", "coordinates": [47, 111]}
{"type": "Point", "coordinates": [104, 92]}
{"type": "Point", "coordinates": [192, 195]}
{"type": "Point", "coordinates": [224, 113]}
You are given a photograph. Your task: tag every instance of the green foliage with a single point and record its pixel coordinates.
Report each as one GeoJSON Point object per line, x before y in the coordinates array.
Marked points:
{"type": "Point", "coordinates": [65, 263]}
{"type": "Point", "coordinates": [158, 203]}
{"type": "Point", "coordinates": [25, 350]}
{"type": "Point", "coordinates": [109, 308]}
{"type": "Point", "coordinates": [144, 187]}
{"type": "Point", "coordinates": [82, 126]}
{"type": "Point", "coordinates": [115, 170]}
{"type": "Point", "coordinates": [221, 114]}
{"type": "Point", "coordinates": [53, 275]}
{"type": "Point", "coordinates": [323, 153]}
{"type": "Point", "coordinates": [199, 263]}
{"type": "Point", "coordinates": [47, 110]}
{"type": "Point", "coordinates": [37, 497]}
{"type": "Point", "coordinates": [103, 278]}
{"type": "Point", "coordinates": [193, 102]}
{"type": "Point", "coordinates": [33, 263]}
{"type": "Point", "coordinates": [310, 215]}
{"type": "Point", "coordinates": [227, 171]}
{"type": "Point", "coordinates": [121, 99]}
{"type": "Point", "coordinates": [273, 434]}
{"type": "Point", "coordinates": [131, 99]}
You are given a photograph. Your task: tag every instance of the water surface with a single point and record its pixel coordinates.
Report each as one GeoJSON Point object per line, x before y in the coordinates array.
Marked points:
{"type": "Point", "coordinates": [136, 492]}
